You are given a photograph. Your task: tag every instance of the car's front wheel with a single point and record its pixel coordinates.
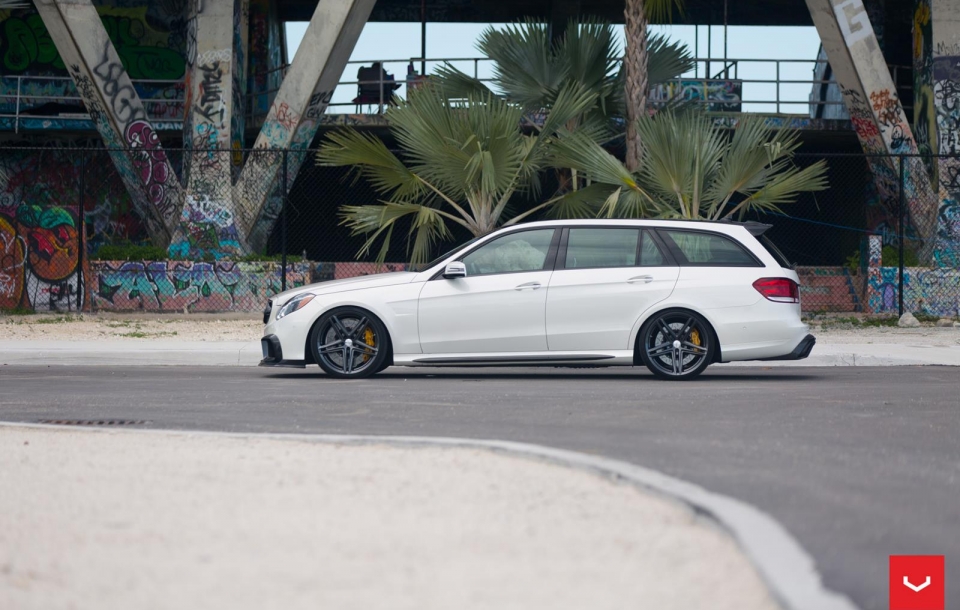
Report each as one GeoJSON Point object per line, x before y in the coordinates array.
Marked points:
{"type": "Point", "coordinates": [349, 343]}
{"type": "Point", "coordinates": [676, 344]}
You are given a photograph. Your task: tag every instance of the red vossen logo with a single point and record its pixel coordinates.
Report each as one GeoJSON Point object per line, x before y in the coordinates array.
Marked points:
{"type": "Point", "coordinates": [916, 582]}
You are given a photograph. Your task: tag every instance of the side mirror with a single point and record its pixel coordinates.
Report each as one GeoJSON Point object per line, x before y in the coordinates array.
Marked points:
{"type": "Point", "coordinates": [455, 270]}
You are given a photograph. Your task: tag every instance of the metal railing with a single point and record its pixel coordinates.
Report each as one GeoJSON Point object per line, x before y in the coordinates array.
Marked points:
{"type": "Point", "coordinates": [29, 101]}
{"type": "Point", "coordinates": [773, 86]}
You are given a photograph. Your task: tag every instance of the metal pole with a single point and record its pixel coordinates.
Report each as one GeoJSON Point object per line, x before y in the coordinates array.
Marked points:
{"type": "Point", "coordinates": [423, 37]}
{"type": "Point", "coordinates": [696, 50]}
{"type": "Point", "coordinates": [16, 123]}
{"type": "Point", "coordinates": [778, 86]}
{"type": "Point", "coordinates": [283, 225]}
{"type": "Point", "coordinates": [726, 74]}
{"type": "Point", "coordinates": [901, 237]}
{"type": "Point", "coordinates": [709, 49]}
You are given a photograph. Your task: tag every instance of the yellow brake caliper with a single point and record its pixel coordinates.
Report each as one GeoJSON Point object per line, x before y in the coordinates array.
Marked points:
{"type": "Point", "coordinates": [695, 337]}
{"type": "Point", "coordinates": [370, 339]}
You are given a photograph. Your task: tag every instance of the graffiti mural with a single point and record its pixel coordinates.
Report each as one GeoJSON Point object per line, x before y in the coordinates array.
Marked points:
{"type": "Point", "coordinates": [145, 38]}
{"type": "Point", "coordinates": [266, 54]}
{"type": "Point", "coordinates": [156, 286]}
{"type": "Point", "coordinates": [39, 260]}
{"type": "Point", "coordinates": [721, 95]}
{"type": "Point", "coordinates": [946, 100]}
{"type": "Point", "coordinates": [195, 287]}
{"type": "Point", "coordinates": [925, 290]}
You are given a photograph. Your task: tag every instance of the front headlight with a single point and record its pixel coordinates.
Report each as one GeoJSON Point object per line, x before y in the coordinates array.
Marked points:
{"type": "Point", "coordinates": [295, 304]}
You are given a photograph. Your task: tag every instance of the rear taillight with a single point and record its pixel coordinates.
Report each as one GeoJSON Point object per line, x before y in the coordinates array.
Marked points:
{"type": "Point", "coordinates": [779, 289]}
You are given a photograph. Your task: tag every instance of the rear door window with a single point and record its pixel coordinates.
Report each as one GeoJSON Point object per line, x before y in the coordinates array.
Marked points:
{"type": "Point", "coordinates": [701, 249]}
{"type": "Point", "coordinates": [601, 247]}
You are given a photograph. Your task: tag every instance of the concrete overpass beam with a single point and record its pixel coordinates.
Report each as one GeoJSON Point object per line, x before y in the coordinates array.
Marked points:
{"type": "Point", "coordinates": [294, 117]}
{"type": "Point", "coordinates": [875, 110]}
{"type": "Point", "coordinates": [116, 110]}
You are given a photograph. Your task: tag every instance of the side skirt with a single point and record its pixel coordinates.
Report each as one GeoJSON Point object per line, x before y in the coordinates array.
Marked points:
{"type": "Point", "coordinates": [612, 358]}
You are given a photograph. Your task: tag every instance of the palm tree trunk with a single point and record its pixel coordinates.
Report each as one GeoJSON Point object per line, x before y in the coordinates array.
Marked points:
{"type": "Point", "coordinates": [635, 69]}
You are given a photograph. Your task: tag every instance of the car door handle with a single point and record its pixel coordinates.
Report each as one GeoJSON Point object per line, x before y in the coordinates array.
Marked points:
{"type": "Point", "coordinates": [530, 285]}
{"type": "Point", "coordinates": [646, 279]}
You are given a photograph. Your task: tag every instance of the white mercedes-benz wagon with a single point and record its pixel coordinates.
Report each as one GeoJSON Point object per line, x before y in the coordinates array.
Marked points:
{"type": "Point", "coordinates": [675, 296]}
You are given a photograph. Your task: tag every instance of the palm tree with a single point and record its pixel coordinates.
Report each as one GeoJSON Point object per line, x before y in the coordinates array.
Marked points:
{"type": "Point", "coordinates": [692, 169]}
{"type": "Point", "coordinates": [637, 63]}
{"type": "Point", "coordinates": [462, 162]}
{"type": "Point", "coordinates": [530, 70]}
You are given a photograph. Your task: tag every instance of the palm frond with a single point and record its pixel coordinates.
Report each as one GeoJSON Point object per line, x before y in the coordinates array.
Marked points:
{"type": "Point", "coordinates": [784, 188]}
{"type": "Point", "coordinates": [683, 151]}
{"type": "Point", "coordinates": [455, 84]}
{"type": "Point", "coordinates": [525, 68]}
{"type": "Point", "coordinates": [369, 157]}
{"type": "Point", "coordinates": [428, 228]}
{"type": "Point", "coordinates": [660, 11]}
{"type": "Point", "coordinates": [667, 59]}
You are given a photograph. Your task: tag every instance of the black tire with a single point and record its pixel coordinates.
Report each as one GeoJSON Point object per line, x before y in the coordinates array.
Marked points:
{"type": "Point", "coordinates": [676, 344]}
{"type": "Point", "coordinates": [350, 343]}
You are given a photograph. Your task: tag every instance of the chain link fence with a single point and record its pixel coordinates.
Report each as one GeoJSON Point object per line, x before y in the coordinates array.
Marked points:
{"type": "Point", "coordinates": [79, 228]}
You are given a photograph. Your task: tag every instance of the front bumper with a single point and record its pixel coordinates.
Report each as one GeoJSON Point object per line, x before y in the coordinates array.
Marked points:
{"type": "Point", "coordinates": [800, 352]}
{"type": "Point", "coordinates": [273, 354]}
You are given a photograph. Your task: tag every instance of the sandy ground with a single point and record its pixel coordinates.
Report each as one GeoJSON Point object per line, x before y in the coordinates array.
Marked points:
{"type": "Point", "coordinates": [249, 327]}
{"type": "Point", "coordinates": [87, 327]}
{"type": "Point", "coordinates": [117, 519]}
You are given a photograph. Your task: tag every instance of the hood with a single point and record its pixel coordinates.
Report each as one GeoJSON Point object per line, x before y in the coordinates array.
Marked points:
{"type": "Point", "coordinates": [351, 283]}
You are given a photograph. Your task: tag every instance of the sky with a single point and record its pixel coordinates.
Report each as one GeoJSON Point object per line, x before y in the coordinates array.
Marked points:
{"type": "Point", "coordinates": [396, 43]}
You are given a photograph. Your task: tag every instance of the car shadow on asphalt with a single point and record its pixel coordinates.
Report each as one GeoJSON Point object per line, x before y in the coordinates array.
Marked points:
{"type": "Point", "coordinates": [725, 376]}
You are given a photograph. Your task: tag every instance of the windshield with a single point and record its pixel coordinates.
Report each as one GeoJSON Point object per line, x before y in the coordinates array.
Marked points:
{"type": "Point", "coordinates": [442, 257]}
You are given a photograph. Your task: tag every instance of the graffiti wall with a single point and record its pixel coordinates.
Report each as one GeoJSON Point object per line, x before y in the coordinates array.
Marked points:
{"type": "Point", "coordinates": [148, 36]}
{"type": "Point", "coordinates": [39, 260]}
{"type": "Point", "coordinates": [925, 290]}
{"type": "Point", "coordinates": [946, 101]}
{"type": "Point", "coordinates": [266, 54]}
{"type": "Point", "coordinates": [158, 286]}
{"type": "Point", "coordinates": [40, 224]}
{"type": "Point", "coordinates": [721, 95]}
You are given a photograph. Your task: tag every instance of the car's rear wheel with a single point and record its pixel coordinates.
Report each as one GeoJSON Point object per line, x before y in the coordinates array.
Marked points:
{"type": "Point", "coordinates": [349, 343]}
{"type": "Point", "coordinates": [676, 344]}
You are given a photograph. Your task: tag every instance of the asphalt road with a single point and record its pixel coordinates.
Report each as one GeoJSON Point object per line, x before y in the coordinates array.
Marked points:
{"type": "Point", "coordinates": [858, 463]}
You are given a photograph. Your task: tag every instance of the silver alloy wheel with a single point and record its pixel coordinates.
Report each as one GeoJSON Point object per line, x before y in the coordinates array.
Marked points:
{"type": "Point", "coordinates": [677, 345]}
{"type": "Point", "coordinates": [348, 343]}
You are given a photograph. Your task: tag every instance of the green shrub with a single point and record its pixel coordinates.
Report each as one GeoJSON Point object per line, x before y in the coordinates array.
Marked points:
{"type": "Point", "coordinates": [889, 257]}
{"type": "Point", "coordinates": [130, 252]}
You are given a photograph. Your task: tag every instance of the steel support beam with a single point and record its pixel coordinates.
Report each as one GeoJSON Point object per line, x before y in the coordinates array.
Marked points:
{"type": "Point", "coordinates": [294, 116]}
{"type": "Point", "coordinates": [116, 110]}
{"type": "Point", "coordinates": [875, 110]}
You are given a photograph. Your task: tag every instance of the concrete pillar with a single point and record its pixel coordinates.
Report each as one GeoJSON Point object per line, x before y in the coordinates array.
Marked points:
{"type": "Point", "coordinates": [294, 116]}
{"type": "Point", "coordinates": [207, 226]}
{"type": "Point", "coordinates": [875, 110]}
{"type": "Point", "coordinates": [117, 111]}
{"type": "Point", "coordinates": [937, 30]}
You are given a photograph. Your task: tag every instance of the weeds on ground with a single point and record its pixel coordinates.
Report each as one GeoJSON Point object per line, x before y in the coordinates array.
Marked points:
{"type": "Point", "coordinates": [136, 334]}
{"type": "Point", "coordinates": [852, 322]}
{"type": "Point", "coordinates": [59, 320]}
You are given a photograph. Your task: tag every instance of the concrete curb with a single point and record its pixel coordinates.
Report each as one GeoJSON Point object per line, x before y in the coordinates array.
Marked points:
{"type": "Point", "coordinates": [783, 564]}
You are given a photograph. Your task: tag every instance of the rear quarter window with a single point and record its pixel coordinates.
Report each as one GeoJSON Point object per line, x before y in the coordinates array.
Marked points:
{"type": "Point", "coordinates": [703, 249]}
{"type": "Point", "coordinates": [775, 252]}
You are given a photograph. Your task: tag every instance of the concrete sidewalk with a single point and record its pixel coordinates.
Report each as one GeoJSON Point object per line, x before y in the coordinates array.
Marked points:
{"type": "Point", "coordinates": [919, 350]}
{"type": "Point", "coordinates": [119, 519]}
